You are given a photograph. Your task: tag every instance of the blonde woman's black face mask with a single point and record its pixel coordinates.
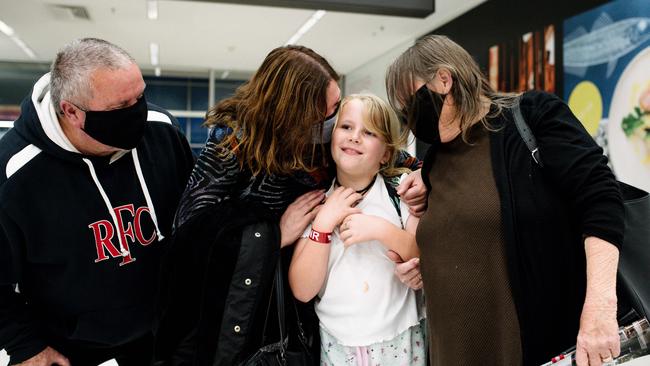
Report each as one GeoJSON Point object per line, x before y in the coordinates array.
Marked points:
{"type": "Point", "coordinates": [424, 114]}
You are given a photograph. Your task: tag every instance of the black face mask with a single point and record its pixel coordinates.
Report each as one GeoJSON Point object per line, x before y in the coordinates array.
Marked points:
{"type": "Point", "coordinates": [122, 128]}
{"type": "Point", "coordinates": [424, 113]}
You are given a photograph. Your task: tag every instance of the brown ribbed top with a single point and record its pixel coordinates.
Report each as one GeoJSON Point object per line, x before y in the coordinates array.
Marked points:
{"type": "Point", "coordinates": [470, 311]}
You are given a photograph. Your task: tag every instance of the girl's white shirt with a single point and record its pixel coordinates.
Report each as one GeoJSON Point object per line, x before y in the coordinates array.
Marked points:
{"type": "Point", "coordinates": [362, 301]}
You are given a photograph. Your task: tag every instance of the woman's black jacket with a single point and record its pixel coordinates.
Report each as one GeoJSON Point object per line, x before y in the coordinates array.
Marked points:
{"type": "Point", "coordinates": [216, 287]}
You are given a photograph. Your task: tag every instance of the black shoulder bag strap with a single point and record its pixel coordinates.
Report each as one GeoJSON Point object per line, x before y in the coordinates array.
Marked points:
{"type": "Point", "coordinates": [526, 133]}
{"type": "Point", "coordinates": [279, 297]}
{"type": "Point", "coordinates": [275, 351]}
{"type": "Point", "coordinates": [296, 355]}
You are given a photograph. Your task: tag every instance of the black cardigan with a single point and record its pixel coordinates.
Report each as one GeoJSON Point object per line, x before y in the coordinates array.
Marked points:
{"type": "Point", "coordinates": [546, 213]}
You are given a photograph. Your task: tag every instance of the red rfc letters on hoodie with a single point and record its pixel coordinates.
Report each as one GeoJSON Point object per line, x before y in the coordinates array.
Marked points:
{"type": "Point", "coordinates": [104, 232]}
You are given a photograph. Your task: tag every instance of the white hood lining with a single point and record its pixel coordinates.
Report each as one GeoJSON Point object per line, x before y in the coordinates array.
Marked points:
{"type": "Point", "coordinates": [47, 115]}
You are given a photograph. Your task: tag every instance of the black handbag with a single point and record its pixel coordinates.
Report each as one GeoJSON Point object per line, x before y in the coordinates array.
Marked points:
{"type": "Point", "coordinates": [633, 276]}
{"type": "Point", "coordinates": [634, 259]}
{"type": "Point", "coordinates": [288, 351]}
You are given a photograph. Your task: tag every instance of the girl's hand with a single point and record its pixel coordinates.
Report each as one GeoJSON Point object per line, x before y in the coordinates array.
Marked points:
{"type": "Point", "coordinates": [360, 228]}
{"type": "Point", "coordinates": [338, 205]}
{"type": "Point", "coordinates": [298, 215]}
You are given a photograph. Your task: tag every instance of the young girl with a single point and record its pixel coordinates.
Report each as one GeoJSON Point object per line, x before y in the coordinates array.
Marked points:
{"type": "Point", "coordinates": [367, 316]}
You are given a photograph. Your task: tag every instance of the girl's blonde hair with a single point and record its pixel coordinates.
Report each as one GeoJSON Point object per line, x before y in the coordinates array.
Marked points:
{"type": "Point", "coordinates": [380, 119]}
{"type": "Point", "coordinates": [423, 60]}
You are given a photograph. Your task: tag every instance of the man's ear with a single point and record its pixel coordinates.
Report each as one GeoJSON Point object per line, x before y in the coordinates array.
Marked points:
{"type": "Point", "coordinates": [73, 114]}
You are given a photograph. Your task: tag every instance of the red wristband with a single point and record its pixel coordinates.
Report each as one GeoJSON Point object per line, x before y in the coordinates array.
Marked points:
{"type": "Point", "coordinates": [320, 237]}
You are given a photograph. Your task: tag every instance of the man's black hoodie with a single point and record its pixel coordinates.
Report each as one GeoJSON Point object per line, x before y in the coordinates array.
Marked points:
{"type": "Point", "coordinates": [81, 236]}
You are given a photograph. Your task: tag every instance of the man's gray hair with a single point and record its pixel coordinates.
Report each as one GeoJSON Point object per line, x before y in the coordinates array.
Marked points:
{"type": "Point", "coordinates": [70, 74]}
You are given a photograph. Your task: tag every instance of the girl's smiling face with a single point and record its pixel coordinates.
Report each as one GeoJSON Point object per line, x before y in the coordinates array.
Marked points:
{"type": "Point", "coordinates": [356, 150]}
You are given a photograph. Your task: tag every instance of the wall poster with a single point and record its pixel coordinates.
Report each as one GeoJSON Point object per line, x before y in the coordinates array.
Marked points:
{"type": "Point", "coordinates": [606, 60]}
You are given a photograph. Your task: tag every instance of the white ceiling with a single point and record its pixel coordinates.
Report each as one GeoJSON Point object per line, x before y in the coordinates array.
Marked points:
{"type": "Point", "coordinates": [198, 36]}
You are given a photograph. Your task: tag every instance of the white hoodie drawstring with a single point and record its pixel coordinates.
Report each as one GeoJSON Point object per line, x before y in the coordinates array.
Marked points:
{"type": "Point", "coordinates": [108, 205]}
{"type": "Point", "coordinates": [145, 190]}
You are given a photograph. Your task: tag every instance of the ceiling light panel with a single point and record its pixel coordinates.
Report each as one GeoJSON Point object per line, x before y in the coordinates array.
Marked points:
{"type": "Point", "coordinates": [152, 9]}
{"type": "Point", "coordinates": [153, 53]}
{"type": "Point", "coordinates": [307, 26]}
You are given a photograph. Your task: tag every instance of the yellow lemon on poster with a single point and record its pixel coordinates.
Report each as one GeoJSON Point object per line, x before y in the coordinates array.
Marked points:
{"type": "Point", "coordinates": [586, 103]}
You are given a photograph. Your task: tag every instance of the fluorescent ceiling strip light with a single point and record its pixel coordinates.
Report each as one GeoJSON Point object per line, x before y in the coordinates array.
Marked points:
{"type": "Point", "coordinates": [152, 9]}
{"type": "Point", "coordinates": [4, 28]}
{"type": "Point", "coordinates": [6, 124]}
{"type": "Point", "coordinates": [153, 53]}
{"type": "Point", "coordinates": [225, 74]}
{"type": "Point", "coordinates": [305, 27]}
{"type": "Point", "coordinates": [23, 46]}
{"type": "Point", "coordinates": [157, 71]}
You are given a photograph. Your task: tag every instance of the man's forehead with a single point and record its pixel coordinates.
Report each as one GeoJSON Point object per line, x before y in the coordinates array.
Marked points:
{"type": "Point", "coordinates": [114, 86]}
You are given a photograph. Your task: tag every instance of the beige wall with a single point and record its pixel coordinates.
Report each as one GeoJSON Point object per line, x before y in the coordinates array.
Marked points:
{"type": "Point", "coordinates": [370, 77]}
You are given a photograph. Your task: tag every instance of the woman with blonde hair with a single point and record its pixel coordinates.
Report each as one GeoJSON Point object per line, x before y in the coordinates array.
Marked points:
{"type": "Point", "coordinates": [246, 200]}
{"type": "Point", "coordinates": [518, 260]}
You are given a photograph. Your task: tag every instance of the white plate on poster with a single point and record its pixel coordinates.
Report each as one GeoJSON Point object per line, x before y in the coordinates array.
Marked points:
{"type": "Point", "coordinates": [630, 159]}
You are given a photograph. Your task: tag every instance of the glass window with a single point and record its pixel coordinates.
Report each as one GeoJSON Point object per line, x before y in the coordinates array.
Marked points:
{"type": "Point", "coordinates": [198, 134]}
{"type": "Point", "coordinates": [199, 99]}
{"type": "Point", "coordinates": [17, 80]}
{"type": "Point", "coordinates": [167, 95]}
{"type": "Point", "coordinates": [183, 125]}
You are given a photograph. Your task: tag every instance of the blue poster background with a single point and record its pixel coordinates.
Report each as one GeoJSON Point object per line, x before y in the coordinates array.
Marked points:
{"type": "Point", "coordinates": [606, 64]}
{"type": "Point", "coordinates": [617, 11]}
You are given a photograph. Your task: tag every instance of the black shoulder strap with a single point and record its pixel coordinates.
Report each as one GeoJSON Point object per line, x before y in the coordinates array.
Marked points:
{"type": "Point", "coordinates": [391, 184]}
{"type": "Point", "coordinates": [526, 133]}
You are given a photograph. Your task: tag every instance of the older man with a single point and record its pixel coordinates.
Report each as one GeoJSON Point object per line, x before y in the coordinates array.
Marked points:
{"type": "Point", "coordinates": [89, 182]}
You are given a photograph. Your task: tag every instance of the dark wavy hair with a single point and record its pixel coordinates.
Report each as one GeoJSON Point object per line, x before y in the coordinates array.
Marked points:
{"type": "Point", "coordinates": [273, 115]}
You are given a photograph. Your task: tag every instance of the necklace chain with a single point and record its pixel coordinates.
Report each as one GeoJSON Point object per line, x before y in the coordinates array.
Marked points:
{"type": "Point", "coordinates": [361, 191]}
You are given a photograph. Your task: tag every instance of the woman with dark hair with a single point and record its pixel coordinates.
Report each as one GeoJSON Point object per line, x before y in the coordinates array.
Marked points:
{"type": "Point", "coordinates": [518, 260]}
{"type": "Point", "coordinates": [246, 200]}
